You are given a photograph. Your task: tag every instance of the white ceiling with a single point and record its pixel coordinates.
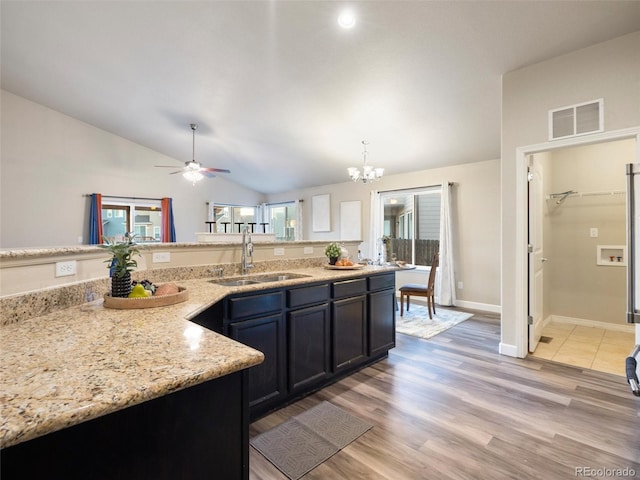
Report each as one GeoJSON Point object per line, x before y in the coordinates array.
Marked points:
{"type": "Point", "coordinates": [283, 96]}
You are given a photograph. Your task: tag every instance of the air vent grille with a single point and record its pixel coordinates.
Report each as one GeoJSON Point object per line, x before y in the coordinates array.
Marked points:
{"type": "Point", "coordinates": [580, 119]}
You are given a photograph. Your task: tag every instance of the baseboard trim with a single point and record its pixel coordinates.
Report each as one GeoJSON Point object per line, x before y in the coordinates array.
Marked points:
{"type": "Point", "coordinates": [620, 327]}
{"type": "Point", "coordinates": [484, 307]}
{"type": "Point", "coordinates": [508, 350]}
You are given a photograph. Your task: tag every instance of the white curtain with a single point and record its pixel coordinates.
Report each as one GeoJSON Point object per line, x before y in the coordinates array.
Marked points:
{"type": "Point", "coordinates": [299, 218]}
{"type": "Point", "coordinates": [375, 225]}
{"type": "Point", "coordinates": [445, 281]}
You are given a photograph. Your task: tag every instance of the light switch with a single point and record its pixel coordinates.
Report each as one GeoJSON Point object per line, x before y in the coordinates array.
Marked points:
{"type": "Point", "coordinates": [594, 233]}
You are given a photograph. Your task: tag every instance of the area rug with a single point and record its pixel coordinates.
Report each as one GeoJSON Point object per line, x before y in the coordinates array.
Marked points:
{"type": "Point", "coordinates": [303, 442]}
{"type": "Point", "coordinates": [416, 322]}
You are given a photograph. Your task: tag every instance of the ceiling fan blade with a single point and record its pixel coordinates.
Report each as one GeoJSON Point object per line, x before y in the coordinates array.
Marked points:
{"type": "Point", "coordinates": [165, 166]}
{"type": "Point", "coordinates": [209, 169]}
{"type": "Point", "coordinates": [177, 171]}
{"type": "Point", "coordinates": [207, 174]}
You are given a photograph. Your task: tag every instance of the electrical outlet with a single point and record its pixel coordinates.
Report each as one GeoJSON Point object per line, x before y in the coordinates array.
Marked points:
{"type": "Point", "coordinates": [278, 251]}
{"type": "Point", "coordinates": [64, 269]}
{"type": "Point", "coordinates": [460, 285]}
{"type": "Point", "coordinates": [594, 233]}
{"type": "Point", "coordinates": [308, 250]}
{"type": "Point", "coordinates": [161, 257]}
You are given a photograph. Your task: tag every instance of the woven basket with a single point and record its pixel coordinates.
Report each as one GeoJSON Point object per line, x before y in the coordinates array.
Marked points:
{"type": "Point", "coordinates": [148, 302]}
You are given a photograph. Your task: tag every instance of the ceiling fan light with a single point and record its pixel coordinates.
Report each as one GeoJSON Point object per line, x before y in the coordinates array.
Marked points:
{"type": "Point", "coordinates": [379, 172]}
{"type": "Point", "coordinates": [193, 176]}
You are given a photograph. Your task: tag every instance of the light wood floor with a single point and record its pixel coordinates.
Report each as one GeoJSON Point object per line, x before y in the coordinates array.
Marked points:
{"type": "Point", "coordinates": [452, 408]}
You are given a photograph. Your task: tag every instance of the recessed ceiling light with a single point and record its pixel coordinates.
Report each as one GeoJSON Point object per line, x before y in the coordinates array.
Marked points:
{"type": "Point", "coordinates": [347, 19]}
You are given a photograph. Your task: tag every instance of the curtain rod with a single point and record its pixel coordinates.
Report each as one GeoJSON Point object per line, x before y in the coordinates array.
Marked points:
{"type": "Point", "coordinates": [281, 203]}
{"type": "Point", "coordinates": [125, 198]}
{"type": "Point", "coordinates": [234, 205]}
{"type": "Point", "coordinates": [451, 184]}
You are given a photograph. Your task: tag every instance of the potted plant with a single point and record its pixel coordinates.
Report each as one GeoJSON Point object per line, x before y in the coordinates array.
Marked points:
{"type": "Point", "coordinates": [121, 264]}
{"type": "Point", "coordinates": [333, 252]}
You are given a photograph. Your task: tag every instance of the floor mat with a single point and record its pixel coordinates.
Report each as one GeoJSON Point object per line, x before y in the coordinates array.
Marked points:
{"type": "Point", "coordinates": [303, 442]}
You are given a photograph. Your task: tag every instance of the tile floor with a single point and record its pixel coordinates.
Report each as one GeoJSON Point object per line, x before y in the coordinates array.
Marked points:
{"type": "Point", "coordinates": [589, 347]}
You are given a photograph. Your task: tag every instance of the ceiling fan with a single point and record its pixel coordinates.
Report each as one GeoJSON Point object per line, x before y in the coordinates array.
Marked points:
{"type": "Point", "coordinates": [192, 170]}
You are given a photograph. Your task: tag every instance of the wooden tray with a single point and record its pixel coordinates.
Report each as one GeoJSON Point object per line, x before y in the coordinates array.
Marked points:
{"type": "Point", "coordinates": [344, 267]}
{"type": "Point", "coordinates": [148, 302]}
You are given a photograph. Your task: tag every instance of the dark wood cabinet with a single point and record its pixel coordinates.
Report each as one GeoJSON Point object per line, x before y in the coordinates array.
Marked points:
{"type": "Point", "coordinates": [382, 322]}
{"type": "Point", "coordinates": [309, 347]}
{"type": "Point", "coordinates": [247, 306]}
{"type": "Point", "coordinates": [382, 309]}
{"type": "Point", "coordinates": [199, 433]}
{"type": "Point", "coordinates": [267, 381]}
{"type": "Point", "coordinates": [310, 335]}
{"type": "Point", "coordinates": [349, 332]}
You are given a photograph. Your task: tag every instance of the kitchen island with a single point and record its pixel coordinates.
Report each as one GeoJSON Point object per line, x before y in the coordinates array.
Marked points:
{"type": "Point", "coordinates": [100, 378]}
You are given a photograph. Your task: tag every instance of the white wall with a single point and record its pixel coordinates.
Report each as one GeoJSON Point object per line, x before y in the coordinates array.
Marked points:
{"type": "Point", "coordinates": [609, 70]}
{"type": "Point", "coordinates": [476, 213]}
{"type": "Point", "coordinates": [50, 160]}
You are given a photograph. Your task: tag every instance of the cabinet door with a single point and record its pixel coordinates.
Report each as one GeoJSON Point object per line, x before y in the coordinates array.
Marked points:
{"type": "Point", "coordinates": [266, 381]}
{"type": "Point", "coordinates": [382, 322]}
{"type": "Point", "coordinates": [349, 333]}
{"type": "Point", "coordinates": [308, 331]}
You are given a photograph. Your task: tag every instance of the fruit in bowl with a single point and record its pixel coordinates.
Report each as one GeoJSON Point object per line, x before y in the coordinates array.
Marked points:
{"type": "Point", "coordinates": [344, 262]}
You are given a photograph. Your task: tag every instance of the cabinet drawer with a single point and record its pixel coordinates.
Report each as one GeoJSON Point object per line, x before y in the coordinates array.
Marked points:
{"type": "Point", "coordinates": [265, 303]}
{"type": "Point", "coordinates": [298, 297]}
{"type": "Point", "coordinates": [349, 288]}
{"type": "Point", "coordinates": [382, 282]}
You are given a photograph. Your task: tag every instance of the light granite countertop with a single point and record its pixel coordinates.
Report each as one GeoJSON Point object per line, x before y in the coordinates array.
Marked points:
{"type": "Point", "coordinates": [83, 362]}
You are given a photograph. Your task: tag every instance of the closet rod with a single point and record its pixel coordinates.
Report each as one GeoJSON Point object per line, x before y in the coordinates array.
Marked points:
{"type": "Point", "coordinates": [586, 194]}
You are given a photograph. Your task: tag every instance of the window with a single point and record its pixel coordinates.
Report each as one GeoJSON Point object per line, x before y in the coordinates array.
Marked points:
{"type": "Point", "coordinates": [411, 224]}
{"type": "Point", "coordinates": [279, 219]}
{"type": "Point", "coordinates": [227, 216]}
{"type": "Point", "coordinates": [144, 219]}
{"type": "Point", "coordinates": [282, 221]}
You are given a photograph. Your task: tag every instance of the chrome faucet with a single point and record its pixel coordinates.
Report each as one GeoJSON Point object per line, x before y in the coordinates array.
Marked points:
{"type": "Point", "coordinates": [247, 251]}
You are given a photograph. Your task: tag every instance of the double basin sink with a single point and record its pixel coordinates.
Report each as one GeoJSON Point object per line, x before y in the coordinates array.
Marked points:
{"type": "Point", "coordinates": [270, 277]}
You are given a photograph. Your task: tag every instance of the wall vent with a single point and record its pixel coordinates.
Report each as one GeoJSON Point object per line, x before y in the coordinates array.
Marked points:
{"type": "Point", "coordinates": [574, 120]}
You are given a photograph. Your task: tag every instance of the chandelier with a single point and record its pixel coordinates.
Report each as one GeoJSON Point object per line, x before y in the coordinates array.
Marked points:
{"type": "Point", "coordinates": [369, 173]}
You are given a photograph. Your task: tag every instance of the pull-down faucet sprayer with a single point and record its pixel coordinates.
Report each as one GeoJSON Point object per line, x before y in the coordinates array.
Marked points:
{"type": "Point", "coordinates": [247, 251]}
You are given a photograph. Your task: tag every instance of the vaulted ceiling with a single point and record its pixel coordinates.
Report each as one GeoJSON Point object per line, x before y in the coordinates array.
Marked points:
{"type": "Point", "coordinates": [283, 95]}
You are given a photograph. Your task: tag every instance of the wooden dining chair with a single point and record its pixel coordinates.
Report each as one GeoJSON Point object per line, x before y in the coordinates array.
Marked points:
{"type": "Point", "coordinates": [419, 290]}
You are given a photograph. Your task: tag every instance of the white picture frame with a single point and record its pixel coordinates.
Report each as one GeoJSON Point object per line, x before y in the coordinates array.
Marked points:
{"type": "Point", "coordinates": [321, 213]}
{"type": "Point", "coordinates": [351, 220]}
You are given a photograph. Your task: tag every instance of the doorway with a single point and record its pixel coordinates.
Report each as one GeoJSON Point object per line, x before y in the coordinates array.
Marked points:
{"type": "Point", "coordinates": [577, 274]}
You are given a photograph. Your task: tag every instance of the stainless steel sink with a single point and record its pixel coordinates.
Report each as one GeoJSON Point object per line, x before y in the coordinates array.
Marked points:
{"type": "Point", "coordinates": [266, 278]}
{"type": "Point", "coordinates": [279, 277]}
{"type": "Point", "coordinates": [234, 283]}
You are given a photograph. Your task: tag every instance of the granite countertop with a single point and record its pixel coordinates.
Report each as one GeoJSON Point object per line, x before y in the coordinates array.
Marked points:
{"type": "Point", "coordinates": [83, 362]}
